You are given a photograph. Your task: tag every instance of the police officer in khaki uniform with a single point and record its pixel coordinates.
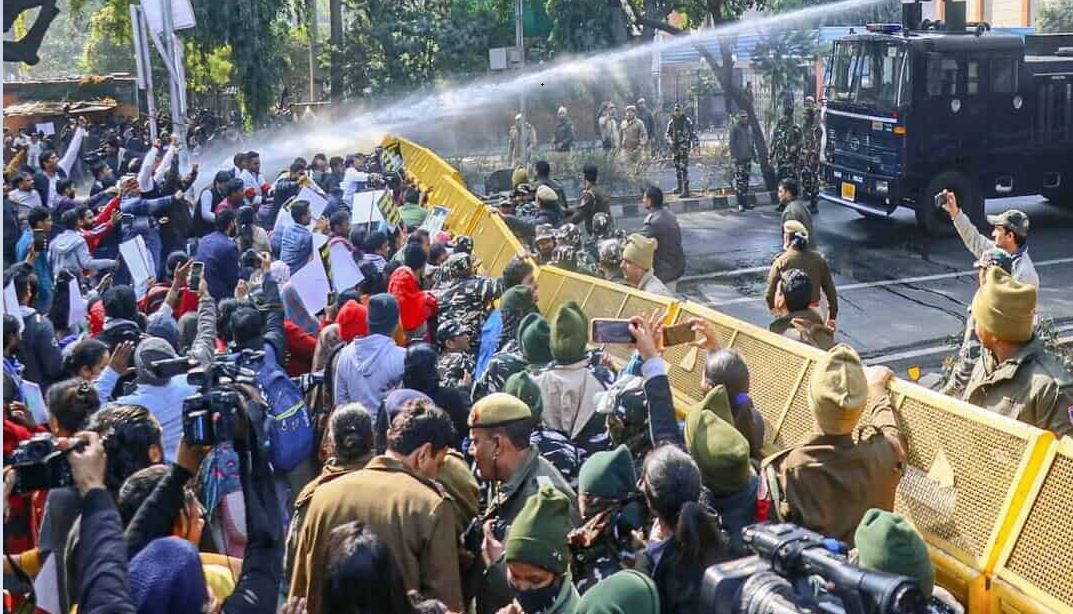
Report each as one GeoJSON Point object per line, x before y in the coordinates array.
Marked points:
{"type": "Point", "coordinates": [500, 425]}
{"type": "Point", "coordinates": [831, 479]}
{"type": "Point", "coordinates": [799, 255]}
{"type": "Point", "coordinates": [1015, 376]}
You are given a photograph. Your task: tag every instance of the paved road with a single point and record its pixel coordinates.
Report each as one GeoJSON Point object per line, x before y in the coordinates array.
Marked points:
{"type": "Point", "coordinates": [903, 296]}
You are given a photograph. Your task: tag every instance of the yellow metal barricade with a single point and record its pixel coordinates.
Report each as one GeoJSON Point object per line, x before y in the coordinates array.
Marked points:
{"type": "Point", "coordinates": [1035, 570]}
{"type": "Point", "coordinates": [992, 497]}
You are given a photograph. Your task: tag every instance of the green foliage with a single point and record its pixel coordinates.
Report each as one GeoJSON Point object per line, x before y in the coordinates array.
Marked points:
{"type": "Point", "coordinates": [580, 26]}
{"type": "Point", "coordinates": [62, 44]}
{"type": "Point", "coordinates": [109, 47]}
{"type": "Point", "coordinates": [704, 86]}
{"type": "Point", "coordinates": [1055, 16]}
{"type": "Point", "coordinates": [778, 58]}
{"type": "Point", "coordinates": [207, 70]}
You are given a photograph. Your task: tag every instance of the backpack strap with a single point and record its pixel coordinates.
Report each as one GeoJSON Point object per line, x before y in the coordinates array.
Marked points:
{"type": "Point", "coordinates": [770, 496]}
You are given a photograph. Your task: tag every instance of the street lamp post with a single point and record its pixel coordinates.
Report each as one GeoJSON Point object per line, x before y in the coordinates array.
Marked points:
{"type": "Point", "coordinates": [519, 43]}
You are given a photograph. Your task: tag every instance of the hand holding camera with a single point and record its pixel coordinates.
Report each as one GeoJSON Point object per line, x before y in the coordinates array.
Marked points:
{"type": "Point", "coordinates": [88, 461]}
{"type": "Point", "coordinates": [947, 201]}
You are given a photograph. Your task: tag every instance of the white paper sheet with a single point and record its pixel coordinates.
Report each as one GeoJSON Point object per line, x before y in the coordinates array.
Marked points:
{"type": "Point", "coordinates": [311, 284]}
{"type": "Point", "coordinates": [317, 201]}
{"type": "Point", "coordinates": [365, 209]}
{"type": "Point", "coordinates": [345, 272]}
{"type": "Point", "coordinates": [284, 219]}
{"type": "Point", "coordinates": [76, 307]}
{"type": "Point", "coordinates": [11, 303]}
{"type": "Point", "coordinates": [136, 256]}
{"type": "Point", "coordinates": [46, 128]}
{"type": "Point", "coordinates": [435, 219]}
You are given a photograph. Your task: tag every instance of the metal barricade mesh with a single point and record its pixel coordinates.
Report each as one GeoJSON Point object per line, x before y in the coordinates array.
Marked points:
{"type": "Point", "coordinates": [488, 248]}
{"type": "Point", "coordinates": [961, 473]}
{"type": "Point", "coordinates": [604, 302]}
{"type": "Point", "coordinates": [550, 281]}
{"type": "Point", "coordinates": [798, 420]}
{"type": "Point", "coordinates": [573, 290]}
{"type": "Point", "coordinates": [1043, 553]}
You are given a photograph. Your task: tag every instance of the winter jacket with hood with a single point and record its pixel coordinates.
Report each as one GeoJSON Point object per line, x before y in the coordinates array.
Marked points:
{"type": "Point", "coordinates": [70, 252]}
{"type": "Point", "coordinates": [368, 368]}
{"type": "Point", "coordinates": [415, 305]}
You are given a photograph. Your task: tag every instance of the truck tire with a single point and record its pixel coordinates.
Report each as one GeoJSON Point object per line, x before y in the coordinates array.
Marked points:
{"type": "Point", "coordinates": [936, 222]}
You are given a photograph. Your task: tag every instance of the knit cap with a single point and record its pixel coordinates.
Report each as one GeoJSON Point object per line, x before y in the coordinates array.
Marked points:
{"type": "Point", "coordinates": [534, 339]}
{"type": "Point", "coordinates": [518, 299]}
{"type": "Point", "coordinates": [624, 592]}
{"type": "Point", "coordinates": [721, 452]}
{"type": "Point", "coordinates": [383, 314]}
{"type": "Point", "coordinates": [353, 321]}
{"type": "Point", "coordinates": [886, 542]}
{"type": "Point", "coordinates": [166, 578]}
{"type": "Point", "coordinates": [523, 387]}
{"type": "Point", "coordinates": [546, 195]}
{"type": "Point", "coordinates": [838, 390]}
{"type": "Point", "coordinates": [538, 534]}
{"type": "Point", "coordinates": [1005, 307]}
{"type": "Point", "coordinates": [640, 250]}
{"type": "Point", "coordinates": [569, 333]}
{"type": "Point", "coordinates": [609, 474]}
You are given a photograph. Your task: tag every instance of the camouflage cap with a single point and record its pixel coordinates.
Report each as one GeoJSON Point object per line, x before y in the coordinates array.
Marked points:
{"type": "Point", "coordinates": [569, 234]}
{"type": "Point", "coordinates": [523, 189]}
{"type": "Point", "coordinates": [995, 257]}
{"type": "Point", "coordinates": [610, 251]}
{"type": "Point", "coordinates": [498, 409]}
{"type": "Point", "coordinates": [1014, 220]}
{"type": "Point", "coordinates": [545, 232]}
{"type": "Point", "coordinates": [448, 330]}
{"type": "Point", "coordinates": [459, 265]}
{"type": "Point", "coordinates": [463, 243]}
{"type": "Point", "coordinates": [601, 224]}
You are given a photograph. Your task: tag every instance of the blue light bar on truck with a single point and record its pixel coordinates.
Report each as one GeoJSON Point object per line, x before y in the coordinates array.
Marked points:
{"type": "Point", "coordinates": [884, 28]}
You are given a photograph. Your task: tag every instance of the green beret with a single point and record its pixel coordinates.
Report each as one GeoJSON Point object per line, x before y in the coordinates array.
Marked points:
{"type": "Point", "coordinates": [538, 534]}
{"type": "Point", "coordinates": [498, 409]}
{"type": "Point", "coordinates": [522, 386]}
{"type": "Point", "coordinates": [886, 542]}
{"type": "Point", "coordinates": [624, 592]}
{"type": "Point", "coordinates": [569, 333]}
{"type": "Point", "coordinates": [721, 452]}
{"type": "Point", "coordinates": [608, 474]}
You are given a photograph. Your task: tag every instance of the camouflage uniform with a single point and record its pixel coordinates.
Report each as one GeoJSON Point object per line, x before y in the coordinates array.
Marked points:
{"type": "Point", "coordinates": [809, 162]}
{"type": "Point", "coordinates": [557, 449]}
{"type": "Point", "coordinates": [468, 297]}
{"type": "Point", "coordinates": [741, 150]}
{"type": "Point", "coordinates": [606, 543]}
{"type": "Point", "coordinates": [453, 367]}
{"type": "Point", "coordinates": [681, 138]}
{"type": "Point", "coordinates": [543, 233]}
{"type": "Point", "coordinates": [501, 366]}
{"type": "Point", "coordinates": [610, 258]}
{"type": "Point", "coordinates": [785, 146]}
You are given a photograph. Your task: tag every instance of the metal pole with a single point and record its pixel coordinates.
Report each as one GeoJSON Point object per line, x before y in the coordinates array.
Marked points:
{"type": "Point", "coordinates": [140, 28]}
{"type": "Point", "coordinates": [519, 43]}
{"type": "Point", "coordinates": [178, 85]}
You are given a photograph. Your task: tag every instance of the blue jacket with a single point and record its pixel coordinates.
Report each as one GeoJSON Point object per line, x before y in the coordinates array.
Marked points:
{"type": "Point", "coordinates": [490, 331]}
{"type": "Point", "coordinates": [296, 246]}
{"type": "Point", "coordinates": [166, 404]}
{"type": "Point", "coordinates": [220, 255]}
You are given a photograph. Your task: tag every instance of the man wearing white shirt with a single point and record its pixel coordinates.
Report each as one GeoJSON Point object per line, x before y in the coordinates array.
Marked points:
{"type": "Point", "coordinates": [354, 179]}
{"type": "Point", "coordinates": [54, 168]}
{"type": "Point", "coordinates": [252, 179]}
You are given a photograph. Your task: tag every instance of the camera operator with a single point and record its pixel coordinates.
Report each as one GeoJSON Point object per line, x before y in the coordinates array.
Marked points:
{"type": "Point", "coordinates": [164, 395]}
{"type": "Point", "coordinates": [828, 482]}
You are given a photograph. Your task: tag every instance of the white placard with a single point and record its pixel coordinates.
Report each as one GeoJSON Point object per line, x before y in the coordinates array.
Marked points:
{"type": "Point", "coordinates": [136, 256]}
{"type": "Point", "coordinates": [284, 219]}
{"type": "Point", "coordinates": [345, 272]}
{"type": "Point", "coordinates": [35, 401]}
{"type": "Point", "coordinates": [365, 209]}
{"type": "Point", "coordinates": [182, 15]}
{"type": "Point", "coordinates": [76, 306]}
{"type": "Point", "coordinates": [46, 128]}
{"type": "Point", "coordinates": [11, 303]}
{"type": "Point", "coordinates": [317, 202]}
{"type": "Point", "coordinates": [311, 284]}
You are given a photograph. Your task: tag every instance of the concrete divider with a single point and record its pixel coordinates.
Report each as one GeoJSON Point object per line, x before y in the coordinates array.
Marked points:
{"type": "Point", "coordinates": [983, 490]}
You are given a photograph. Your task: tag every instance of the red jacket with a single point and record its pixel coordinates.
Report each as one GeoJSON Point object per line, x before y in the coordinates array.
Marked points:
{"type": "Point", "coordinates": [300, 346]}
{"type": "Point", "coordinates": [102, 225]}
{"type": "Point", "coordinates": [415, 305]}
{"type": "Point", "coordinates": [18, 530]}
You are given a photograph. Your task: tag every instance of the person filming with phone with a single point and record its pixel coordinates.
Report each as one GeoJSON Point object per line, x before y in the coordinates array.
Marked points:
{"type": "Point", "coordinates": [1009, 233]}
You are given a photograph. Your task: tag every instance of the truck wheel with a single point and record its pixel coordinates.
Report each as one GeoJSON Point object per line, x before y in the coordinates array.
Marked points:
{"type": "Point", "coordinates": [935, 221]}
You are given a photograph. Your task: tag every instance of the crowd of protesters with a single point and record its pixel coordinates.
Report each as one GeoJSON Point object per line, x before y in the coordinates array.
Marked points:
{"type": "Point", "coordinates": [432, 440]}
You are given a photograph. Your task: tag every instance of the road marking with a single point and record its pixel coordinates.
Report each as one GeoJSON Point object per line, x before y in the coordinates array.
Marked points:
{"type": "Point", "coordinates": [944, 348]}
{"type": "Point", "coordinates": [732, 273]}
{"type": "Point", "coordinates": [893, 282]}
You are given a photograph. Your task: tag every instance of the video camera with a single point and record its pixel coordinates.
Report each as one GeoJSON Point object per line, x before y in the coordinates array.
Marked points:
{"type": "Point", "coordinates": [778, 578]}
{"type": "Point", "coordinates": [39, 464]}
{"type": "Point", "coordinates": [211, 415]}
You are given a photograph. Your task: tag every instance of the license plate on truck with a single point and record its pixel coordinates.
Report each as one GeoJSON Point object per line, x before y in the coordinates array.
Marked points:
{"type": "Point", "coordinates": [849, 191]}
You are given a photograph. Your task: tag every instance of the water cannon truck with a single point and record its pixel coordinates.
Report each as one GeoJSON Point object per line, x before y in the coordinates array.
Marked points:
{"type": "Point", "coordinates": [914, 108]}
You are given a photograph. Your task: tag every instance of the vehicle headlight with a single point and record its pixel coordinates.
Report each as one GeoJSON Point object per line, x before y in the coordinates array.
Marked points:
{"type": "Point", "coordinates": [881, 187]}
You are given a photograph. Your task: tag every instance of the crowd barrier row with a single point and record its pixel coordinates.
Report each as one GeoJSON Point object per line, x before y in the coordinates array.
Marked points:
{"type": "Point", "coordinates": [992, 497]}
